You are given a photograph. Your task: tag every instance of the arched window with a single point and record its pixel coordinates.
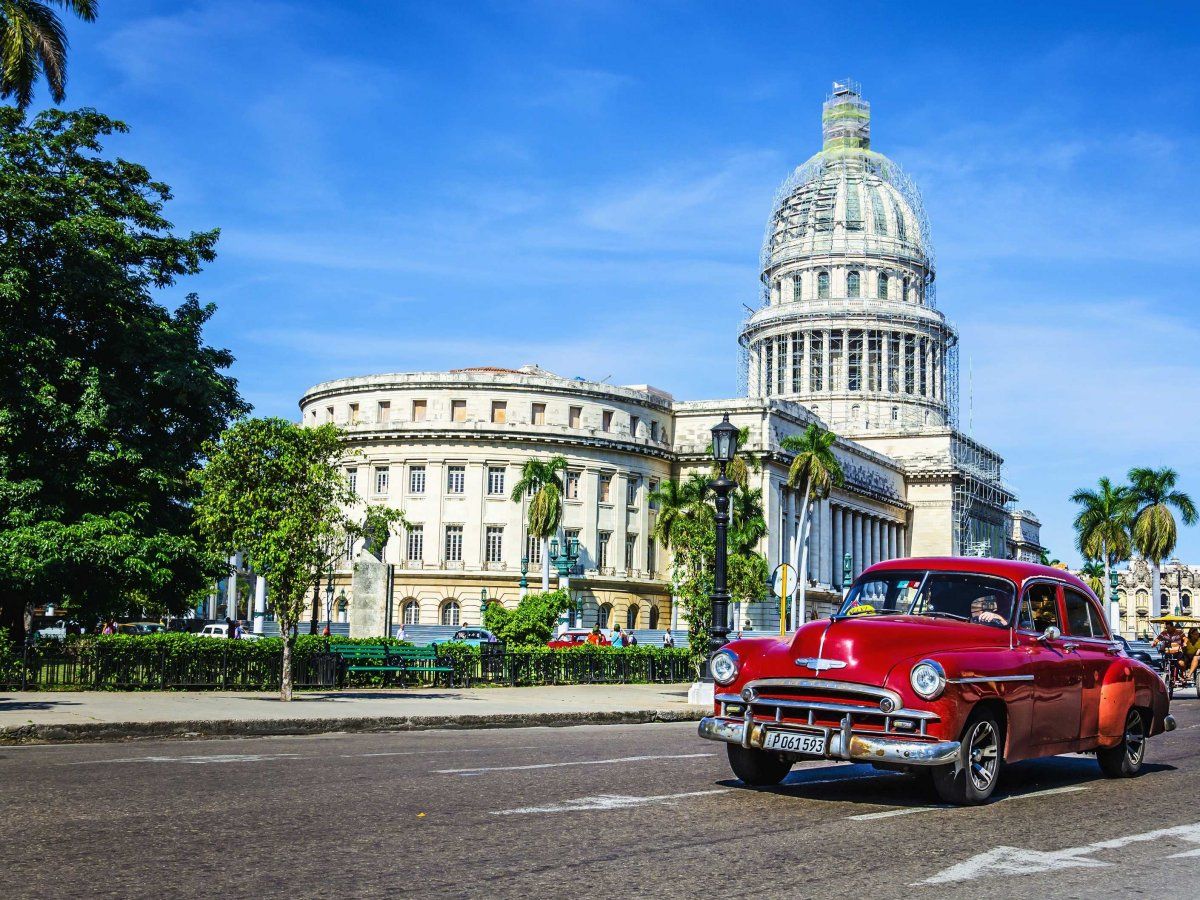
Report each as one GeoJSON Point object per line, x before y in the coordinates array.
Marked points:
{"type": "Point", "coordinates": [796, 288]}
{"type": "Point", "coordinates": [853, 285]}
{"type": "Point", "coordinates": [1164, 600]}
{"type": "Point", "coordinates": [603, 614]}
{"type": "Point", "coordinates": [822, 285]}
{"type": "Point", "coordinates": [631, 616]}
{"type": "Point", "coordinates": [654, 617]}
{"type": "Point", "coordinates": [895, 414]}
{"type": "Point", "coordinates": [450, 613]}
{"type": "Point", "coordinates": [410, 612]}
{"type": "Point", "coordinates": [926, 417]}
{"type": "Point", "coordinates": [1185, 600]}
{"type": "Point", "coordinates": [883, 286]}
{"type": "Point", "coordinates": [904, 296]}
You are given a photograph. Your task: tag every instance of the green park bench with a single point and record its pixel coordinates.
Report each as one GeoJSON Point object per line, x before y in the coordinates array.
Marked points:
{"type": "Point", "coordinates": [382, 658]}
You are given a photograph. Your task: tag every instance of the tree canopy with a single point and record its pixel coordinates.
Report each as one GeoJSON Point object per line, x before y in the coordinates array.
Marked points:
{"type": "Point", "coordinates": [106, 395]}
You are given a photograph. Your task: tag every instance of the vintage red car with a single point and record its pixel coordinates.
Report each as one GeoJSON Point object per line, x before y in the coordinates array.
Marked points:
{"type": "Point", "coordinates": [945, 666]}
{"type": "Point", "coordinates": [577, 637]}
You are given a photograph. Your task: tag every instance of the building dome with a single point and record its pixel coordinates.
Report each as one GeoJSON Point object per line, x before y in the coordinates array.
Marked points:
{"type": "Point", "coordinates": [849, 326]}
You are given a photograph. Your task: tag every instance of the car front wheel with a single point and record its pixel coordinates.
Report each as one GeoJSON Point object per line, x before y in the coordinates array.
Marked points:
{"type": "Point", "coordinates": [757, 768]}
{"type": "Point", "coordinates": [973, 778]}
{"type": "Point", "coordinates": [1125, 759]}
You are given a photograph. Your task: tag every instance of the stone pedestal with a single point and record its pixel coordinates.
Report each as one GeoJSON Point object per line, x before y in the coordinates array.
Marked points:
{"type": "Point", "coordinates": [368, 599]}
{"type": "Point", "coordinates": [701, 694]}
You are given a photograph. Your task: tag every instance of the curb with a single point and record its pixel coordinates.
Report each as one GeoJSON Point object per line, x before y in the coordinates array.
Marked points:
{"type": "Point", "coordinates": [91, 732]}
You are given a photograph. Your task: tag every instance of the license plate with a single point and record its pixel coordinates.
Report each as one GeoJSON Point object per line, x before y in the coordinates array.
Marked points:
{"type": "Point", "coordinates": [795, 742]}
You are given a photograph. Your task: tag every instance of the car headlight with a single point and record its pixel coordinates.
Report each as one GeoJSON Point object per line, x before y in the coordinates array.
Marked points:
{"type": "Point", "coordinates": [724, 666]}
{"type": "Point", "coordinates": [928, 679]}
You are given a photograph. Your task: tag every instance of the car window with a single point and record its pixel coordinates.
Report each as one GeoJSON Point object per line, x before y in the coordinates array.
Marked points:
{"type": "Point", "coordinates": [1039, 608]}
{"type": "Point", "coordinates": [1083, 620]}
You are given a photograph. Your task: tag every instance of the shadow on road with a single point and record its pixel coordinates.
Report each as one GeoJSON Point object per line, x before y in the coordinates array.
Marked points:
{"type": "Point", "coordinates": [8, 704]}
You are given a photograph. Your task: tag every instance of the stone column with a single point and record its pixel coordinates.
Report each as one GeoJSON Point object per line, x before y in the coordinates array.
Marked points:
{"type": "Point", "coordinates": [825, 361]}
{"type": "Point", "coordinates": [856, 542]}
{"type": "Point", "coordinates": [826, 538]}
{"type": "Point", "coordinates": [260, 603]}
{"type": "Point", "coordinates": [752, 371]}
{"type": "Point", "coordinates": [790, 343]}
{"type": "Point", "coordinates": [885, 355]}
{"type": "Point", "coordinates": [876, 540]}
{"type": "Point", "coordinates": [806, 369]}
{"type": "Point", "coordinates": [846, 360]}
{"type": "Point", "coordinates": [835, 547]}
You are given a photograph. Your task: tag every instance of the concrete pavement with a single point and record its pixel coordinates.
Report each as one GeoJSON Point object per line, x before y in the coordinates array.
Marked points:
{"type": "Point", "coordinates": [580, 812]}
{"type": "Point", "coordinates": [33, 717]}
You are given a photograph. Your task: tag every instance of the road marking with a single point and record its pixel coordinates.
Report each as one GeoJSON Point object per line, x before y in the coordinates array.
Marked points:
{"type": "Point", "coordinates": [193, 760]}
{"type": "Point", "coordinates": [866, 817]}
{"type": "Point", "coordinates": [602, 802]}
{"type": "Point", "coordinates": [1069, 789]}
{"type": "Point", "coordinates": [1020, 861]}
{"type": "Point", "coordinates": [433, 752]}
{"type": "Point", "coordinates": [574, 762]}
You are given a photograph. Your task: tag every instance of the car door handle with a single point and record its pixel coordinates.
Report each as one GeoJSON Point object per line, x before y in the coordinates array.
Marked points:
{"type": "Point", "coordinates": [1068, 646]}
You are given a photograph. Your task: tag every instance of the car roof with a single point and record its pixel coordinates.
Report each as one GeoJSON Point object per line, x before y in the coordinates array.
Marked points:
{"type": "Point", "coordinates": [1012, 569]}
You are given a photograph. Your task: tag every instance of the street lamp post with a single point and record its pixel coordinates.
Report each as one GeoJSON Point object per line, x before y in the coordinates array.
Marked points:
{"type": "Point", "coordinates": [1114, 603]}
{"type": "Point", "coordinates": [482, 605]}
{"type": "Point", "coordinates": [524, 585]}
{"type": "Point", "coordinates": [563, 563]}
{"type": "Point", "coordinates": [328, 605]}
{"type": "Point", "coordinates": [724, 442]}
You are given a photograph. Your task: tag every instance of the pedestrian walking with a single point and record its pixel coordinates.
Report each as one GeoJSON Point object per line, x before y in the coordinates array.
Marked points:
{"type": "Point", "coordinates": [595, 637]}
{"type": "Point", "coordinates": [632, 640]}
{"type": "Point", "coordinates": [618, 637]}
{"type": "Point", "coordinates": [230, 630]}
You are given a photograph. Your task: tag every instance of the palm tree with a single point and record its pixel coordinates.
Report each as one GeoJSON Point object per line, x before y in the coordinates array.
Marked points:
{"type": "Point", "coordinates": [677, 501]}
{"type": "Point", "coordinates": [1102, 526]}
{"type": "Point", "coordinates": [33, 42]}
{"type": "Point", "coordinates": [542, 482]}
{"type": "Point", "coordinates": [747, 526]}
{"type": "Point", "coordinates": [1154, 530]}
{"type": "Point", "coordinates": [815, 471]}
{"type": "Point", "coordinates": [1094, 573]}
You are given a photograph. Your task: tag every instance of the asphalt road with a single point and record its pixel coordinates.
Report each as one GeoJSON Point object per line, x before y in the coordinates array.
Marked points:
{"type": "Point", "coordinates": [581, 812]}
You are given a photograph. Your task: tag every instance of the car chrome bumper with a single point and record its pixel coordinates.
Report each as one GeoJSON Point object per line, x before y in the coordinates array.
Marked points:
{"type": "Point", "coordinates": [858, 748]}
{"type": "Point", "coordinates": [1168, 723]}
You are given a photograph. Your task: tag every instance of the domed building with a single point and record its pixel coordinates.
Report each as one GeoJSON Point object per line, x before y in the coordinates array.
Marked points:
{"type": "Point", "coordinates": [848, 336]}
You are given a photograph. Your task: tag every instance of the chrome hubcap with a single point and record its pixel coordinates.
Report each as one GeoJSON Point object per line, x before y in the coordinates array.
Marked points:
{"type": "Point", "coordinates": [1135, 738]}
{"type": "Point", "coordinates": [983, 755]}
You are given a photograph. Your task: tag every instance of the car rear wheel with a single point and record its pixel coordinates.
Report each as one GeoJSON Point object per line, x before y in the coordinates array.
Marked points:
{"type": "Point", "coordinates": [1125, 759]}
{"type": "Point", "coordinates": [973, 778]}
{"type": "Point", "coordinates": [757, 768]}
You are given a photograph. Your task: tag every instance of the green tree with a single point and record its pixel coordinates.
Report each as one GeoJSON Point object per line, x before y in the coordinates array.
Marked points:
{"type": "Point", "coordinates": [1154, 530]}
{"type": "Point", "coordinates": [275, 491]}
{"type": "Point", "coordinates": [1102, 525]}
{"type": "Point", "coordinates": [33, 42]}
{"type": "Point", "coordinates": [106, 396]}
{"type": "Point", "coordinates": [814, 472]}
{"type": "Point", "coordinates": [533, 621]}
{"type": "Point", "coordinates": [541, 481]}
{"type": "Point", "coordinates": [1094, 574]}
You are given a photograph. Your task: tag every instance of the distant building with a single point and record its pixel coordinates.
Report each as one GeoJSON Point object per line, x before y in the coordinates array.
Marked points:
{"type": "Point", "coordinates": [1179, 587]}
{"type": "Point", "coordinates": [848, 335]}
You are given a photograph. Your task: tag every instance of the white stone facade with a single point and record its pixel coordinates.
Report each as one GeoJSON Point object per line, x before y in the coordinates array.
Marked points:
{"type": "Point", "coordinates": [848, 336]}
{"type": "Point", "coordinates": [1179, 592]}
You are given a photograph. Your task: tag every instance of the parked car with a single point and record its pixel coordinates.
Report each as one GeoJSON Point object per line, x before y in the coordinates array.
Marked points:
{"type": "Point", "coordinates": [55, 632]}
{"type": "Point", "coordinates": [474, 636]}
{"type": "Point", "coordinates": [1142, 650]}
{"type": "Point", "coordinates": [140, 628]}
{"type": "Point", "coordinates": [573, 637]}
{"type": "Point", "coordinates": [950, 666]}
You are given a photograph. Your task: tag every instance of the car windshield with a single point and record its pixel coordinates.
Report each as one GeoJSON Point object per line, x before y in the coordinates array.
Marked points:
{"type": "Point", "coordinates": [982, 599]}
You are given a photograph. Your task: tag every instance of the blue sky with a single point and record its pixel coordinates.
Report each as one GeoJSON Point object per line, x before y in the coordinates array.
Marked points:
{"type": "Point", "coordinates": [405, 186]}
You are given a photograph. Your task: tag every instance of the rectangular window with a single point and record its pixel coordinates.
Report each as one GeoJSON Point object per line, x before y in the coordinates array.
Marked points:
{"type": "Point", "coordinates": [651, 562]}
{"type": "Point", "coordinates": [893, 372]}
{"type": "Point", "coordinates": [329, 414]}
{"type": "Point", "coordinates": [606, 489]}
{"type": "Point", "coordinates": [493, 543]}
{"type": "Point", "coordinates": [815, 361]}
{"type": "Point", "coordinates": [499, 412]}
{"type": "Point", "coordinates": [456, 479]}
{"type": "Point", "coordinates": [602, 550]}
{"type": "Point", "coordinates": [381, 480]}
{"type": "Point", "coordinates": [634, 422]}
{"type": "Point", "coordinates": [458, 410]}
{"type": "Point", "coordinates": [606, 420]}
{"type": "Point", "coordinates": [651, 488]}
{"type": "Point", "coordinates": [571, 486]}
{"type": "Point", "coordinates": [835, 361]}
{"type": "Point", "coordinates": [533, 550]}
{"type": "Point", "coordinates": [495, 480]}
{"type": "Point", "coordinates": [353, 414]}
{"type": "Point", "coordinates": [769, 364]}
{"type": "Point", "coordinates": [537, 414]}
{"type": "Point", "coordinates": [383, 411]}
{"type": "Point", "coordinates": [416, 543]}
{"type": "Point", "coordinates": [571, 534]}
{"type": "Point", "coordinates": [575, 417]}
{"type": "Point", "coordinates": [352, 480]}
{"type": "Point", "coordinates": [454, 543]}
{"type": "Point", "coordinates": [420, 409]}
{"type": "Point", "coordinates": [822, 285]}
{"type": "Point", "coordinates": [631, 489]}
{"type": "Point", "coordinates": [855, 361]}
{"type": "Point", "coordinates": [630, 551]}
{"type": "Point", "coordinates": [416, 479]}
{"type": "Point", "coordinates": [654, 431]}
{"type": "Point", "coordinates": [797, 286]}
{"type": "Point", "coordinates": [910, 384]}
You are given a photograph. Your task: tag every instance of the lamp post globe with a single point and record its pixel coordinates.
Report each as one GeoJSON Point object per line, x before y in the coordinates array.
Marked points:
{"type": "Point", "coordinates": [724, 443]}
{"type": "Point", "coordinates": [482, 605]}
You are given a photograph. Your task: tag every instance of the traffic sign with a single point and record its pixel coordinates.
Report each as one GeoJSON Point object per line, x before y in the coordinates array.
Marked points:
{"type": "Point", "coordinates": [783, 581]}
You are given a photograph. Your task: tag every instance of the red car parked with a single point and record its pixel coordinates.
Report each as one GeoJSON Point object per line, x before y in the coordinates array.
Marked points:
{"type": "Point", "coordinates": [948, 666]}
{"type": "Point", "coordinates": [576, 637]}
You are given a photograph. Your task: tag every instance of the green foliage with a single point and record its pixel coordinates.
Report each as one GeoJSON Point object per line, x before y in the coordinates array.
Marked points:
{"type": "Point", "coordinates": [1154, 529]}
{"type": "Point", "coordinates": [573, 665]}
{"type": "Point", "coordinates": [814, 470]}
{"type": "Point", "coordinates": [377, 526]}
{"type": "Point", "coordinates": [274, 491]}
{"type": "Point", "coordinates": [106, 396]}
{"type": "Point", "coordinates": [543, 479]}
{"type": "Point", "coordinates": [1103, 522]}
{"type": "Point", "coordinates": [532, 623]}
{"type": "Point", "coordinates": [33, 42]}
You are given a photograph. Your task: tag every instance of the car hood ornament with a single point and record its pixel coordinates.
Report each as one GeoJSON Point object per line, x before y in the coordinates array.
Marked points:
{"type": "Point", "coordinates": [820, 665]}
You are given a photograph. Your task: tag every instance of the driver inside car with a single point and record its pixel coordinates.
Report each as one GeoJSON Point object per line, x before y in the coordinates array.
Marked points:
{"type": "Point", "coordinates": [984, 612]}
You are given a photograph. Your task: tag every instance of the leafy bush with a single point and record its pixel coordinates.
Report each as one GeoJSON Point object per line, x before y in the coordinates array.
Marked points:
{"type": "Point", "coordinates": [585, 663]}
{"type": "Point", "coordinates": [532, 623]}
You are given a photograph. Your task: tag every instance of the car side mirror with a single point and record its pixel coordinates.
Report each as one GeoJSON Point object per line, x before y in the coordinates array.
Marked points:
{"type": "Point", "coordinates": [1052, 633]}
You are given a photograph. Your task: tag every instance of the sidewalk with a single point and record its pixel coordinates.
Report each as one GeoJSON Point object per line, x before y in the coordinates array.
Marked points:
{"type": "Point", "coordinates": [42, 717]}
